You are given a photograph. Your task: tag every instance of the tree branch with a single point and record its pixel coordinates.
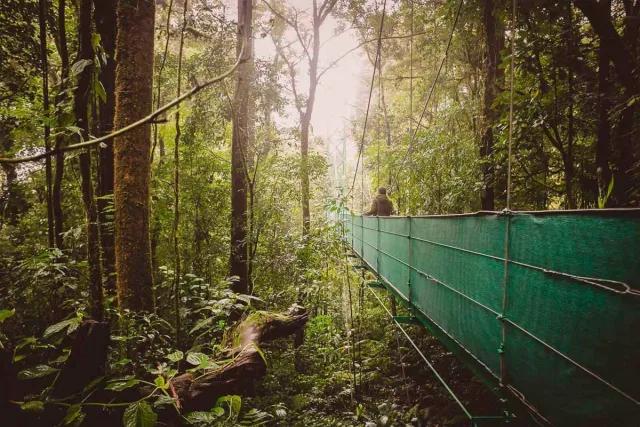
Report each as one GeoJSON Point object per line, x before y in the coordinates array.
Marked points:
{"type": "Point", "coordinates": [134, 125]}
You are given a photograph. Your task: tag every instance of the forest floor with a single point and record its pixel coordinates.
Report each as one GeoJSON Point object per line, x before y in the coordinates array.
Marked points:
{"type": "Point", "coordinates": [395, 387]}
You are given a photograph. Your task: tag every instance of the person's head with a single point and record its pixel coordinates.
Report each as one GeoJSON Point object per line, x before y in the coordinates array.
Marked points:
{"type": "Point", "coordinates": [382, 190]}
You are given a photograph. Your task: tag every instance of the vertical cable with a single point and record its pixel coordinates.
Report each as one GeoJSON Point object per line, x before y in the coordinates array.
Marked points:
{"type": "Point", "coordinates": [411, 29]}
{"type": "Point", "coordinates": [507, 212]}
{"type": "Point", "coordinates": [511, 78]}
{"type": "Point", "coordinates": [44, 63]}
{"type": "Point", "coordinates": [176, 182]}
{"type": "Point", "coordinates": [366, 116]}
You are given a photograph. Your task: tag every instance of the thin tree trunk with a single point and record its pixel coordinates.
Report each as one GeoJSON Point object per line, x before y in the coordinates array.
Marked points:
{"type": "Point", "coordinates": [56, 196]}
{"type": "Point", "coordinates": [134, 78]}
{"type": "Point", "coordinates": [304, 175]}
{"type": "Point", "coordinates": [490, 115]}
{"type": "Point", "coordinates": [239, 149]}
{"type": "Point", "coordinates": [81, 108]}
{"type": "Point", "coordinates": [569, 161]}
{"type": "Point", "coordinates": [105, 21]}
{"type": "Point", "coordinates": [159, 141]}
{"type": "Point", "coordinates": [305, 120]}
{"type": "Point", "coordinates": [44, 62]}
{"type": "Point", "coordinates": [176, 184]}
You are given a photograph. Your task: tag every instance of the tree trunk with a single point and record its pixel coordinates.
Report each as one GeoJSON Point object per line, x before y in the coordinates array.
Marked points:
{"type": "Point", "coordinates": [176, 184]}
{"type": "Point", "coordinates": [56, 196]}
{"type": "Point", "coordinates": [248, 364]}
{"type": "Point", "coordinates": [490, 115]}
{"type": "Point", "coordinates": [569, 168]}
{"type": "Point", "coordinates": [304, 174]}
{"type": "Point", "coordinates": [86, 361]}
{"type": "Point", "coordinates": [105, 21]}
{"type": "Point", "coordinates": [44, 62]}
{"type": "Point", "coordinates": [603, 143]}
{"type": "Point", "coordinates": [622, 52]}
{"type": "Point", "coordinates": [239, 150]}
{"type": "Point", "coordinates": [81, 107]}
{"type": "Point", "coordinates": [134, 76]}
{"type": "Point", "coordinates": [305, 122]}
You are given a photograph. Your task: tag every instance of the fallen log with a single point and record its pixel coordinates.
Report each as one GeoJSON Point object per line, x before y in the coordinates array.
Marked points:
{"type": "Point", "coordinates": [248, 365]}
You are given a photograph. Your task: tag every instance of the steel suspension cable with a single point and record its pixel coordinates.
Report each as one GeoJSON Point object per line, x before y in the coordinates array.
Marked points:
{"type": "Point", "coordinates": [424, 358]}
{"type": "Point", "coordinates": [511, 88]}
{"type": "Point", "coordinates": [507, 210]}
{"type": "Point", "coordinates": [143, 121]}
{"type": "Point", "coordinates": [432, 88]}
{"type": "Point", "coordinates": [366, 117]}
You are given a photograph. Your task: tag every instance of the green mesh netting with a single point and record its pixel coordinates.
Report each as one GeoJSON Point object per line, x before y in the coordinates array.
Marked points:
{"type": "Point", "coordinates": [571, 345]}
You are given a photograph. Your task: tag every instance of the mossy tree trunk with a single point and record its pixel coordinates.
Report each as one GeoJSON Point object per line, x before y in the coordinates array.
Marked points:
{"type": "Point", "coordinates": [82, 100]}
{"type": "Point", "coordinates": [492, 26]}
{"type": "Point", "coordinates": [56, 196]}
{"type": "Point", "coordinates": [105, 23]}
{"type": "Point", "coordinates": [248, 365]}
{"type": "Point", "coordinates": [239, 151]}
{"type": "Point", "coordinates": [134, 76]}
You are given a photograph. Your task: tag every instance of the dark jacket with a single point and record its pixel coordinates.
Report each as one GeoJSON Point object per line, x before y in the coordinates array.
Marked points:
{"type": "Point", "coordinates": [381, 206]}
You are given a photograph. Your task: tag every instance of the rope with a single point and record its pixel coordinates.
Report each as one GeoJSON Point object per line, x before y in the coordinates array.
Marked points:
{"type": "Point", "coordinates": [366, 117]}
{"type": "Point", "coordinates": [176, 181]}
{"type": "Point", "coordinates": [511, 88]}
{"type": "Point", "coordinates": [432, 88]}
{"type": "Point", "coordinates": [145, 120]}
{"type": "Point", "coordinates": [428, 363]}
{"type": "Point", "coordinates": [352, 329]}
{"type": "Point", "coordinates": [410, 100]}
{"type": "Point", "coordinates": [507, 210]}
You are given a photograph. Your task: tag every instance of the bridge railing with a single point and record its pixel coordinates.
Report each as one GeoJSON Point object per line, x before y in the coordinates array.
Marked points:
{"type": "Point", "coordinates": [546, 303]}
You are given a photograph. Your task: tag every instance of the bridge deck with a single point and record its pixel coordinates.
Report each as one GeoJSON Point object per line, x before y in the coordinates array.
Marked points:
{"type": "Point", "coordinates": [545, 303]}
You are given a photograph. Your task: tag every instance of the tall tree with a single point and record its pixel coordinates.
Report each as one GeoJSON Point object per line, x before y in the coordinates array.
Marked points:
{"type": "Point", "coordinates": [305, 102]}
{"type": "Point", "coordinates": [603, 142]}
{"type": "Point", "coordinates": [44, 63]}
{"type": "Point", "coordinates": [105, 23]}
{"type": "Point", "coordinates": [134, 79]}
{"type": "Point", "coordinates": [81, 105]}
{"type": "Point", "coordinates": [622, 51]}
{"type": "Point", "coordinates": [494, 35]}
{"type": "Point", "coordinates": [63, 52]}
{"type": "Point", "coordinates": [239, 149]}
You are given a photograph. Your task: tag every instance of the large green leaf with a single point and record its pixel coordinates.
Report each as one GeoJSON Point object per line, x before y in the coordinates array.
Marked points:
{"type": "Point", "coordinates": [123, 384]}
{"type": "Point", "coordinates": [175, 356]}
{"type": "Point", "coordinates": [70, 324]}
{"type": "Point", "coordinates": [36, 372]}
{"type": "Point", "coordinates": [33, 406]}
{"type": "Point", "coordinates": [139, 414]}
{"type": "Point", "coordinates": [202, 418]}
{"type": "Point", "coordinates": [74, 415]}
{"type": "Point", "coordinates": [197, 359]}
{"type": "Point", "coordinates": [5, 314]}
{"type": "Point", "coordinates": [232, 401]}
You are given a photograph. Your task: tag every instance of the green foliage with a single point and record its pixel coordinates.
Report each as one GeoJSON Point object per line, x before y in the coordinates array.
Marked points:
{"type": "Point", "coordinates": [36, 372]}
{"type": "Point", "coordinates": [139, 414]}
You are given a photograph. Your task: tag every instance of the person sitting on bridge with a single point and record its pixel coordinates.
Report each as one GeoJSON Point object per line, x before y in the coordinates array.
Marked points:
{"type": "Point", "coordinates": [381, 205]}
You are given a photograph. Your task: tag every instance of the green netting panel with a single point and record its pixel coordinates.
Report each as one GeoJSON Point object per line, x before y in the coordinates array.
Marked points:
{"type": "Point", "coordinates": [572, 336]}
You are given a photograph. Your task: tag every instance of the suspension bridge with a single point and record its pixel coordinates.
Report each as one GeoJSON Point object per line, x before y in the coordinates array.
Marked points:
{"type": "Point", "coordinates": [543, 306]}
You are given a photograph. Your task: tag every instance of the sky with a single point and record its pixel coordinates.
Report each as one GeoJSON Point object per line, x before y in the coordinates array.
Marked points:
{"type": "Point", "coordinates": [341, 90]}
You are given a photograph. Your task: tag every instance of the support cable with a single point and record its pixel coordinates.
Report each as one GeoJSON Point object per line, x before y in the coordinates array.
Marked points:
{"type": "Point", "coordinates": [428, 363]}
{"type": "Point", "coordinates": [432, 88]}
{"type": "Point", "coordinates": [145, 120]}
{"type": "Point", "coordinates": [351, 325]}
{"type": "Point", "coordinates": [507, 210]}
{"type": "Point", "coordinates": [176, 182]}
{"type": "Point", "coordinates": [366, 117]}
